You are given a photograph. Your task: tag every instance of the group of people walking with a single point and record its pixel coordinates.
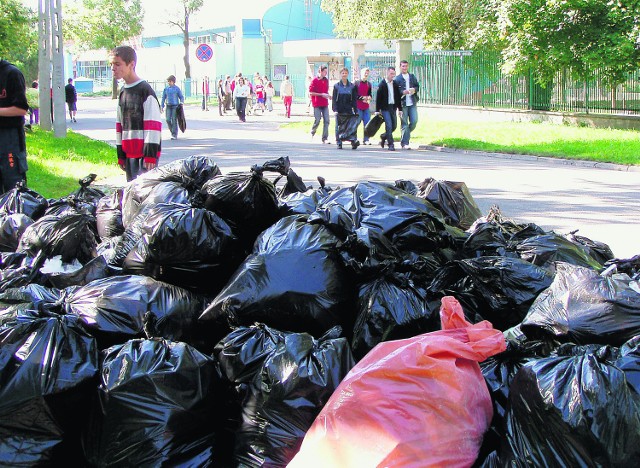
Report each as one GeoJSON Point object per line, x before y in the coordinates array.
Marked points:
{"type": "Point", "coordinates": [244, 95]}
{"type": "Point", "coordinates": [351, 104]}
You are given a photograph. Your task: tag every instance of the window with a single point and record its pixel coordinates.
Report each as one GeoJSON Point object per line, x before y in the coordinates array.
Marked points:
{"type": "Point", "coordinates": [279, 72]}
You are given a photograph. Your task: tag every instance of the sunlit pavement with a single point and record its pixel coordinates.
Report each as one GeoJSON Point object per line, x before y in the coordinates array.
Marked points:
{"type": "Point", "coordinates": [603, 203]}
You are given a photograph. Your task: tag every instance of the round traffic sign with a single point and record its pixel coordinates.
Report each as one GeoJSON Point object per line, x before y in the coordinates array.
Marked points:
{"type": "Point", "coordinates": [204, 52]}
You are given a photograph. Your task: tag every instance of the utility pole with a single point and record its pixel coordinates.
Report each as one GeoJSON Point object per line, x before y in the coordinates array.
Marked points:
{"type": "Point", "coordinates": [51, 67]}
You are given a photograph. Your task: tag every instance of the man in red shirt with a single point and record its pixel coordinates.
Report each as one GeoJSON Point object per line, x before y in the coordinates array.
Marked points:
{"type": "Point", "coordinates": [319, 93]}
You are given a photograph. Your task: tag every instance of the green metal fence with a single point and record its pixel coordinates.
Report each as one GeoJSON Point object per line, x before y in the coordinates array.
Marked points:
{"type": "Point", "coordinates": [466, 78]}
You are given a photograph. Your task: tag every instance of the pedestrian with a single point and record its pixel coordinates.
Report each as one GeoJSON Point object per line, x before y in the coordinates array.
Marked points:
{"type": "Point", "coordinates": [228, 92]}
{"type": "Point", "coordinates": [172, 96]}
{"type": "Point", "coordinates": [221, 97]}
{"type": "Point", "coordinates": [13, 108]}
{"type": "Point", "coordinates": [138, 117]}
{"type": "Point", "coordinates": [409, 87]}
{"type": "Point", "coordinates": [259, 91]}
{"type": "Point", "coordinates": [363, 85]}
{"type": "Point", "coordinates": [71, 97]}
{"type": "Point", "coordinates": [388, 99]}
{"type": "Point", "coordinates": [33, 99]}
{"type": "Point", "coordinates": [344, 103]}
{"type": "Point", "coordinates": [269, 93]}
{"type": "Point", "coordinates": [286, 92]}
{"type": "Point", "coordinates": [319, 93]}
{"type": "Point", "coordinates": [241, 94]}
{"type": "Point", "coordinates": [205, 94]}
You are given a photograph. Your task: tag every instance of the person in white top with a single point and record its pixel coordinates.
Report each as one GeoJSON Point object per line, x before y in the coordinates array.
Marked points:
{"type": "Point", "coordinates": [388, 100]}
{"type": "Point", "coordinates": [241, 93]}
{"type": "Point", "coordinates": [409, 87]}
{"type": "Point", "coordinates": [286, 92]}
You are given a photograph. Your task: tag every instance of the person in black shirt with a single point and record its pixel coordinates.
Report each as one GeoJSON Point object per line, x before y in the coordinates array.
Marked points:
{"type": "Point", "coordinates": [71, 97]}
{"type": "Point", "coordinates": [13, 108]}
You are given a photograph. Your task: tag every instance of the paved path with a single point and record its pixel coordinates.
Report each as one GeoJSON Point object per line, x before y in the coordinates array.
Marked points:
{"type": "Point", "coordinates": [603, 203]}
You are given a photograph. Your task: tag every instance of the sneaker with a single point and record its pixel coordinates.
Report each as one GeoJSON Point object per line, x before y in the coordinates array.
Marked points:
{"type": "Point", "coordinates": [382, 143]}
{"type": "Point", "coordinates": [392, 148]}
{"type": "Point", "coordinates": [366, 143]}
{"type": "Point", "coordinates": [406, 147]}
{"type": "Point", "coordinates": [339, 145]}
{"type": "Point", "coordinates": [74, 119]}
{"type": "Point", "coordinates": [355, 144]}
{"type": "Point", "coordinates": [326, 142]}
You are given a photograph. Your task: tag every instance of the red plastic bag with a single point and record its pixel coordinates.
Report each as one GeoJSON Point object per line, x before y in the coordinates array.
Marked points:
{"type": "Point", "coordinates": [410, 403]}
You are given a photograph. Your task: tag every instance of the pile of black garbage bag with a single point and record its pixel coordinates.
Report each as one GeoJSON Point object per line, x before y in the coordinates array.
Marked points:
{"type": "Point", "coordinates": [194, 318]}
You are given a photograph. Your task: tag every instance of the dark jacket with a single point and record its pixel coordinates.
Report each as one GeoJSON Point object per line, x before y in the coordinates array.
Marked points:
{"type": "Point", "coordinates": [402, 84]}
{"type": "Point", "coordinates": [70, 94]}
{"type": "Point", "coordinates": [382, 97]}
{"type": "Point", "coordinates": [345, 98]}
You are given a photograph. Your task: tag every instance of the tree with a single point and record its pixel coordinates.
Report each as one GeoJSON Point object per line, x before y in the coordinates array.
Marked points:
{"type": "Point", "coordinates": [579, 35]}
{"type": "Point", "coordinates": [442, 24]}
{"type": "Point", "coordinates": [19, 37]}
{"type": "Point", "coordinates": [180, 19]}
{"type": "Point", "coordinates": [103, 24]}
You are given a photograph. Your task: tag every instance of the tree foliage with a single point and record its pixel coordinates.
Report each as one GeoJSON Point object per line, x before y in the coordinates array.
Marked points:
{"type": "Point", "coordinates": [442, 24]}
{"type": "Point", "coordinates": [580, 35]}
{"type": "Point", "coordinates": [19, 37]}
{"type": "Point", "coordinates": [179, 18]}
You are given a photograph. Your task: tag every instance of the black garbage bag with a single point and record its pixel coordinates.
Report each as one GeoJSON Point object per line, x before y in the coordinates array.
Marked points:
{"type": "Point", "coordinates": [155, 407]}
{"type": "Point", "coordinates": [294, 280]}
{"type": "Point", "coordinates": [575, 408]}
{"type": "Point", "coordinates": [70, 204]}
{"type": "Point", "coordinates": [72, 236]}
{"type": "Point", "coordinates": [129, 238]}
{"type": "Point", "coordinates": [373, 126]}
{"type": "Point", "coordinates": [160, 192]}
{"type": "Point", "coordinates": [182, 121]}
{"type": "Point", "coordinates": [94, 269]}
{"type": "Point", "coordinates": [23, 200]}
{"type": "Point", "coordinates": [546, 249]}
{"type": "Point", "coordinates": [303, 203]}
{"type": "Point", "coordinates": [109, 215]}
{"type": "Point", "coordinates": [189, 247]}
{"type": "Point", "coordinates": [347, 127]}
{"type": "Point", "coordinates": [453, 199]}
{"type": "Point", "coordinates": [189, 174]}
{"type": "Point", "coordinates": [294, 184]}
{"type": "Point", "coordinates": [407, 186]}
{"type": "Point", "coordinates": [245, 200]}
{"type": "Point", "coordinates": [119, 308]}
{"type": "Point", "coordinates": [391, 307]}
{"type": "Point", "coordinates": [30, 297]}
{"type": "Point", "coordinates": [584, 307]}
{"type": "Point", "coordinates": [48, 365]}
{"type": "Point", "coordinates": [86, 193]}
{"type": "Point", "coordinates": [600, 251]}
{"type": "Point", "coordinates": [18, 269]}
{"type": "Point", "coordinates": [12, 226]}
{"type": "Point", "coordinates": [282, 381]}
{"type": "Point", "coordinates": [629, 266]}
{"type": "Point", "coordinates": [497, 289]}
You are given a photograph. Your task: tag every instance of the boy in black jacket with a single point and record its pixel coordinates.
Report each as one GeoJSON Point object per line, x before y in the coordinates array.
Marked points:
{"type": "Point", "coordinates": [388, 100]}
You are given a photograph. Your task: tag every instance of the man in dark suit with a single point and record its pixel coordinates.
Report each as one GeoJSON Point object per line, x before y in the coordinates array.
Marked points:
{"type": "Point", "coordinates": [408, 84]}
{"type": "Point", "coordinates": [388, 99]}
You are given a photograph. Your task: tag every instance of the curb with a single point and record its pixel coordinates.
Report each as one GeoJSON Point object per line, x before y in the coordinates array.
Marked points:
{"type": "Point", "coordinates": [527, 157]}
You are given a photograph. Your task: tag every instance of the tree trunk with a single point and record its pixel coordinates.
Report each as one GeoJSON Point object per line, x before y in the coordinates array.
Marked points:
{"type": "Point", "coordinates": [185, 41]}
{"type": "Point", "coordinates": [114, 89]}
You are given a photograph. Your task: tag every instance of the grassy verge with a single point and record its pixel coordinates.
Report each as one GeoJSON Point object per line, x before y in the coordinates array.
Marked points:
{"type": "Point", "coordinates": [56, 164]}
{"type": "Point", "coordinates": [541, 139]}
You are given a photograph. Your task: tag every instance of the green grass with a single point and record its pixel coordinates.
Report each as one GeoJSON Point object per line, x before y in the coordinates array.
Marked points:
{"type": "Point", "coordinates": [541, 139]}
{"type": "Point", "coordinates": [56, 164]}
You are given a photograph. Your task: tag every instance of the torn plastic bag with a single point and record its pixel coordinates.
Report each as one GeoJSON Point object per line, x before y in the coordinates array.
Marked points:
{"type": "Point", "coordinates": [155, 407]}
{"type": "Point", "coordinates": [497, 289]}
{"type": "Point", "coordinates": [94, 269]}
{"type": "Point", "coordinates": [421, 401]}
{"type": "Point", "coordinates": [347, 127]}
{"type": "Point", "coordinates": [12, 226]}
{"type": "Point", "coordinates": [391, 307]}
{"type": "Point", "coordinates": [281, 380]}
{"type": "Point", "coordinates": [245, 200]}
{"type": "Point", "coordinates": [72, 236]}
{"type": "Point", "coordinates": [109, 215]}
{"type": "Point", "coordinates": [119, 308]}
{"type": "Point", "coordinates": [574, 408]}
{"type": "Point", "coordinates": [159, 192]}
{"type": "Point", "coordinates": [23, 200]}
{"type": "Point", "coordinates": [294, 280]}
{"type": "Point", "coordinates": [544, 250]}
{"type": "Point", "coordinates": [48, 364]}
{"type": "Point", "coordinates": [584, 307]}
{"type": "Point", "coordinates": [453, 199]}
{"type": "Point", "coordinates": [189, 247]}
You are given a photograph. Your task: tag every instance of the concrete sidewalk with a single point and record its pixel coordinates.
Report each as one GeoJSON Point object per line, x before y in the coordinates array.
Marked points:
{"type": "Point", "coordinates": [602, 202]}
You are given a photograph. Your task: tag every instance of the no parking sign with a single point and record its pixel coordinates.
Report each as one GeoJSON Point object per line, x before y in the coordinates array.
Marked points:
{"type": "Point", "coordinates": [204, 52]}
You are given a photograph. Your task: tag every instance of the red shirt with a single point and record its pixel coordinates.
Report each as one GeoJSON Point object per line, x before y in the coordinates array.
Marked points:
{"type": "Point", "coordinates": [364, 89]}
{"type": "Point", "coordinates": [319, 85]}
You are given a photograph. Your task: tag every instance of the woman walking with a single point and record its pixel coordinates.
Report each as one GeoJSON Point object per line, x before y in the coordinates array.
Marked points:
{"type": "Point", "coordinates": [241, 93]}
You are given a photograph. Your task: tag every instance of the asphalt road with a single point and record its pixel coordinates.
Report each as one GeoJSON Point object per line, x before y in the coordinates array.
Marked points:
{"type": "Point", "coordinates": [601, 202]}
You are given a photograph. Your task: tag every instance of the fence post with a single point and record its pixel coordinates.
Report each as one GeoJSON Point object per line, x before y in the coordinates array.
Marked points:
{"type": "Point", "coordinates": [403, 51]}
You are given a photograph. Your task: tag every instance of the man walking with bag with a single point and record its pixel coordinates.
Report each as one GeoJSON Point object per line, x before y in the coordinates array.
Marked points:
{"type": "Point", "coordinates": [173, 96]}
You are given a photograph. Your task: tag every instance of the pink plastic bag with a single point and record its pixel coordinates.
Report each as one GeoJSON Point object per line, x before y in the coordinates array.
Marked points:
{"type": "Point", "coordinates": [410, 403]}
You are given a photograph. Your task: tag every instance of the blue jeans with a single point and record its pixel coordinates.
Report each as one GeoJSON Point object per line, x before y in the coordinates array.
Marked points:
{"type": "Point", "coordinates": [365, 116]}
{"type": "Point", "coordinates": [172, 120]}
{"type": "Point", "coordinates": [409, 122]}
{"type": "Point", "coordinates": [319, 112]}
{"type": "Point", "coordinates": [390, 124]}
